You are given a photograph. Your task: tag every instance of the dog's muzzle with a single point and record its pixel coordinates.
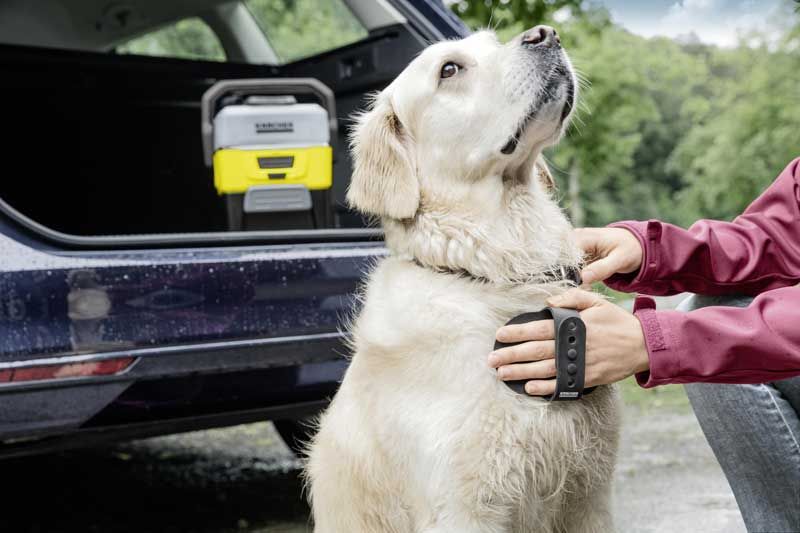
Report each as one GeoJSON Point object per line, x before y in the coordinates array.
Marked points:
{"type": "Point", "coordinates": [544, 40]}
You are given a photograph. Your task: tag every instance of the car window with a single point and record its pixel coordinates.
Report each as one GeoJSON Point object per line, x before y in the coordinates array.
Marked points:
{"type": "Point", "coordinates": [190, 38]}
{"type": "Point", "coordinates": [303, 28]}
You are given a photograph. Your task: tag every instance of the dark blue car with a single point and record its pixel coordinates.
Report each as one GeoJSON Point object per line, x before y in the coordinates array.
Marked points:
{"type": "Point", "coordinates": [127, 307]}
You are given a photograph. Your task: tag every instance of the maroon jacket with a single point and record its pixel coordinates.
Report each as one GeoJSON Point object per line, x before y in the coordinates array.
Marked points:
{"type": "Point", "coordinates": [756, 254]}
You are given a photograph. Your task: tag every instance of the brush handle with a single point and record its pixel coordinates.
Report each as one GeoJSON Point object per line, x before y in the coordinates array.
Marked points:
{"type": "Point", "coordinates": [570, 340]}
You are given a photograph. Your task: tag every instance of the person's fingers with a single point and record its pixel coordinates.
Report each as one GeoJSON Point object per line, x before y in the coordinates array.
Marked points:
{"type": "Point", "coordinates": [527, 351]}
{"type": "Point", "coordinates": [575, 299]}
{"type": "Point", "coordinates": [601, 269]}
{"type": "Point", "coordinates": [587, 240]}
{"type": "Point", "coordinates": [539, 330]}
{"type": "Point", "coordinates": [544, 387]}
{"type": "Point", "coordinates": [536, 370]}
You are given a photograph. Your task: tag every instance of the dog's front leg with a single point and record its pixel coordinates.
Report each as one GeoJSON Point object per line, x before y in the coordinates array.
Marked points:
{"type": "Point", "coordinates": [350, 494]}
{"type": "Point", "coordinates": [589, 513]}
{"type": "Point", "coordinates": [457, 518]}
{"type": "Point", "coordinates": [465, 527]}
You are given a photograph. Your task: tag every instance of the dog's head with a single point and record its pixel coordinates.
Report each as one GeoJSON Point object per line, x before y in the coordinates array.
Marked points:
{"type": "Point", "coordinates": [448, 157]}
{"type": "Point", "coordinates": [462, 119]}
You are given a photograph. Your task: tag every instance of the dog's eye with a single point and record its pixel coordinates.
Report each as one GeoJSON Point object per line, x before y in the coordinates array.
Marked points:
{"type": "Point", "coordinates": [450, 69]}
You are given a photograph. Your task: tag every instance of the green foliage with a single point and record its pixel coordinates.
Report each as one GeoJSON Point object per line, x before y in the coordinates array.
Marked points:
{"type": "Point", "coordinates": [746, 134]}
{"type": "Point", "coordinates": [669, 130]}
{"type": "Point", "coordinates": [302, 28]}
{"type": "Point", "coordinates": [294, 28]}
{"type": "Point", "coordinates": [190, 38]}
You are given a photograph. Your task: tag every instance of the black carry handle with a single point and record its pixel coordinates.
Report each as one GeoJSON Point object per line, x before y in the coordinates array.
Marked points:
{"type": "Point", "coordinates": [570, 359]}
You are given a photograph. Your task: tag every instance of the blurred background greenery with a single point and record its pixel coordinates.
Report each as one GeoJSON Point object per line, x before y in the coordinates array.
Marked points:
{"type": "Point", "coordinates": [671, 129]}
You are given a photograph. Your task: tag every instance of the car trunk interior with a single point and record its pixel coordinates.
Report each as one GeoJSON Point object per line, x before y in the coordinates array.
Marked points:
{"type": "Point", "coordinates": [106, 144]}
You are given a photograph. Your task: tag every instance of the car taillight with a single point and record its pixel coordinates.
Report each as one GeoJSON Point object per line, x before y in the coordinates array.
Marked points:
{"type": "Point", "coordinates": [69, 370]}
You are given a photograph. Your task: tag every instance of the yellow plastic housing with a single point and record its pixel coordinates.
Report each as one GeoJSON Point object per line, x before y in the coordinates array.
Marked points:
{"type": "Point", "coordinates": [236, 170]}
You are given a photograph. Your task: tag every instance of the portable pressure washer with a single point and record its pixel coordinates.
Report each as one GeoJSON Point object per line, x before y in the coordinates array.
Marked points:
{"type": "Point", "coordinates": [272, 156]}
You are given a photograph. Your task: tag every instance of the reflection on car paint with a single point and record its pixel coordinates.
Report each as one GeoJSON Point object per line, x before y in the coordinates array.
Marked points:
{"type": "Point", "coordinates": [85, 303]}
{"type": "Point", "coordinates": [167, 299]}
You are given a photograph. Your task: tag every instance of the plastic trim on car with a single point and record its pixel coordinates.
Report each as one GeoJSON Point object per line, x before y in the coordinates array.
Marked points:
{"type": "Point", "coordinates": [180, 240]}
{"type": "Point", "coordinates": [188, 359]}
{"type": "Point", "coordinates": [95, 436]}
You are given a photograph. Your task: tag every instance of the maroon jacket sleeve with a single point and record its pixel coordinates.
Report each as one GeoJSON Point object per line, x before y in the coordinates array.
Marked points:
{"type": "Point", "coordinates": [756, 344]}
{"type": "Point", "coordinates": [758, 251]}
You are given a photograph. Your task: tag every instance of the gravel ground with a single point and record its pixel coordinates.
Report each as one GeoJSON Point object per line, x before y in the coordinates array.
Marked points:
{"type": "Point", "coordinates": [667, 478]}
{"type": "Point", "coordinates": [243, 479]}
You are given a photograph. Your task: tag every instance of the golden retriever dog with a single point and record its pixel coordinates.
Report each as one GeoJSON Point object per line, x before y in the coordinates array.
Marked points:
{"type": "Point", "coordinates": [422, 436]}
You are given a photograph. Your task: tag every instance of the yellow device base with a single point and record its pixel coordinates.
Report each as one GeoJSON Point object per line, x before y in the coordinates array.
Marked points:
{"type": "Point", "coordinates": [237, 170]}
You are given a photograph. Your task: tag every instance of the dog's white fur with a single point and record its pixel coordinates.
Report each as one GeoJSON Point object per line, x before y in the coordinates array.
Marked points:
{"type": "Point", "coordinates": [422, 436]}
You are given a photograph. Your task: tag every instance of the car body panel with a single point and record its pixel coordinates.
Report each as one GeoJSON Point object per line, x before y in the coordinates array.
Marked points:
{"type": "Point", "coordinates": [182, 312]}
{"type": "Point", "coordinates": [90, 302]}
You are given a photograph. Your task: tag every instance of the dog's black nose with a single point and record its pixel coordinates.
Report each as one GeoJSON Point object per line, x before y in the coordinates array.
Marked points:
{"type": "Point", "coordinates": [541, 35]}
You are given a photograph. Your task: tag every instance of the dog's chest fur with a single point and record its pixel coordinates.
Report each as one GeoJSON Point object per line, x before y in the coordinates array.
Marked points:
{"type": "Point", "coordinates": [420, 385]}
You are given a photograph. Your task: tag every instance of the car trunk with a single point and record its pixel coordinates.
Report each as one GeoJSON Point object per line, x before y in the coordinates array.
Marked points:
{"type": "Point", "coordinates": [106, 144]}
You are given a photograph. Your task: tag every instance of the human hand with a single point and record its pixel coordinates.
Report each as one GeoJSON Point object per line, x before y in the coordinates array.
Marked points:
{"type": "Point", "coordinates": [615, 346]}
{"type": "Point", "coordinates": [609, 251]}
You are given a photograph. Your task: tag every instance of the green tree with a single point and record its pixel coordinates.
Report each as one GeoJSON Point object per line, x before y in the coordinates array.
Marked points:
{"type": "Point", "coordinates": [613, 161]}
{"type": "Point", "coordinates": [748, 131]}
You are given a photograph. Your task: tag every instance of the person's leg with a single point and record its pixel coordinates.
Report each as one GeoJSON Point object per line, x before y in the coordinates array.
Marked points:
{"type": "Point", "coordinates": [754, 431]}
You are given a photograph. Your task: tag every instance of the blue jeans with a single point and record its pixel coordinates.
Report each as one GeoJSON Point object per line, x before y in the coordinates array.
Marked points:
{"type": "Point", "coordinates": [754, 431]}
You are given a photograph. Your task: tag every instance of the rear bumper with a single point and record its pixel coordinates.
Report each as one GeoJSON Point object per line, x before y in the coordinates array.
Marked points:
{"type": "Point", "coordinates": [164, 390]}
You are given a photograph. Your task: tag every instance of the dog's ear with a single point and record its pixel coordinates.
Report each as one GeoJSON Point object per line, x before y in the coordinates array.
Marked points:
{"type": "Point", "coordinates": [384, 181]}
{"type": "Point", "coordinates": [542, 173]}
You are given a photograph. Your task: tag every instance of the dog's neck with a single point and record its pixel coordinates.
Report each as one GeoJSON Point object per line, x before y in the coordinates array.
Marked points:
{"type": "Point", "coordinates": [525, 241]}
